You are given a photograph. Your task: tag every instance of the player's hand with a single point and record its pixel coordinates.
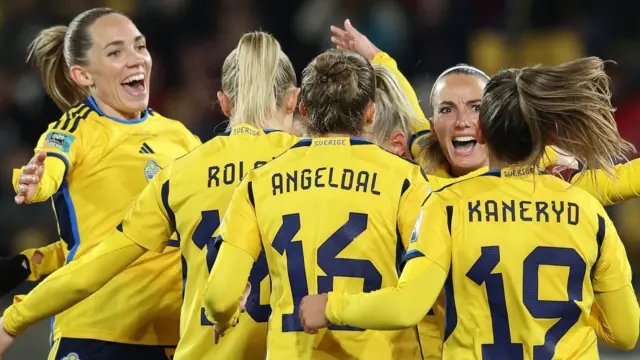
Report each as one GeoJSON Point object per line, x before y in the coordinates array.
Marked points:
{"type": "Point", "coordinates": [30, 178]}
{"type": "Point", "coordinates": [244, 298]}
{"type": "Point", "coordinates": [5, 338]}
{"type": "Point", "coordinates": [312, 316]}
{"type": "Point", "coordinates": [351, 39]}
{"type": "Point", "coordinates": [217, 334]}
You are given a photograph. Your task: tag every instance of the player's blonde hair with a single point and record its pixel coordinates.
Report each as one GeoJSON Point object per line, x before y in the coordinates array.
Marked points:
{"type": "Point", "coordinates": [56, 49]}
{"type": "Point", "coordinates": [256, 77]}
{"type": "Point", "coordinates": [393, 109]}
{"type": "Point", "coordinates": [569, 105]}
{"type": "Point", "coordinates": [337, 87]}
{"type": "Point", "coordinates": [432, 155]}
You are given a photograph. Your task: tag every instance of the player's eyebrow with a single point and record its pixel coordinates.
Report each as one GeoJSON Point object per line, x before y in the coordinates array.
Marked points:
{"type": "Point", "coordinates": [120, 42]}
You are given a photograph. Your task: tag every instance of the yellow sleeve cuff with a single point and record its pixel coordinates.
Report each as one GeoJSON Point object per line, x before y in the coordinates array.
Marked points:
{"type": "Point", "coordinates": [334, 308]}
{"type": "Point", "coordinates": [12, 321]}
{"type": "Point", "coordinates": [382, 58]}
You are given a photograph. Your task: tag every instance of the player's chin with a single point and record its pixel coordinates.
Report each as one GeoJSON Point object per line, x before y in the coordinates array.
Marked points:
{"type": "Point", "coordinates": [134, 100]}
{"type": "Point", "coordinates": [135, 104]}
{"type": "Point", "coordinates": [467, 162]}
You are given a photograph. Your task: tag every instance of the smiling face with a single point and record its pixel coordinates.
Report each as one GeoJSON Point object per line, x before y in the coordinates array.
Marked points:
{"type": "Point", "coordinates": [456, 102]}
{"type": "Point", "coordinates": [119, 66]}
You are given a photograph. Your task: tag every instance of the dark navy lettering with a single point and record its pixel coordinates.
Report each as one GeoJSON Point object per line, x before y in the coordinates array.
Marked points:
{"type": "Point", "coordinates": [524, 211]}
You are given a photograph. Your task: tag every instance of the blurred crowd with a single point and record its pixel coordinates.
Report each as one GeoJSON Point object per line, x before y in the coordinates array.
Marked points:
{"type": "Point", "coordinates": [189, 40]}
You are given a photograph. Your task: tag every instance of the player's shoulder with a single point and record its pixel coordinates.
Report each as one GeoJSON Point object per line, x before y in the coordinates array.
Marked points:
{"type": "Point", "coordinates": [558, 187]}
{"type": "Point", "coordinates": [75, 120]}
{"type": "Point", "coordinates": [383, 158]}
{"type": "Point", "coordinates": [166, 122]}
{"type": "Point", "coordinates": [459, 188]}
{"type": "Point", "coordinates": [280, 138]}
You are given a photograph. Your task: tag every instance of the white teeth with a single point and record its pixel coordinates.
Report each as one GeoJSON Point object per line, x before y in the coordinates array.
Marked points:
{"type": "Point", "coordinates": [464, 138]}
{"type": "Point", "coordinates": [137, 77]}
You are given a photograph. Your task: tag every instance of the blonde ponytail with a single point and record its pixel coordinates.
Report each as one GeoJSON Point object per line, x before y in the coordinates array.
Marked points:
{"type": "Point", "coordinates": [393, 110]}
{"type": "Point", "coordinates": [256, 77]}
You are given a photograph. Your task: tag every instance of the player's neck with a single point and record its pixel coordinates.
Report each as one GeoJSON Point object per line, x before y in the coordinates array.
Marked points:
{"type": "Point", "coordinates": [497, 165]}
{"type": "Point", "coordinates": [111, 112]}
{"type": "Point", "coordinates": [274, 124]}
{"type": "Point", "coordinates": [333, 135]}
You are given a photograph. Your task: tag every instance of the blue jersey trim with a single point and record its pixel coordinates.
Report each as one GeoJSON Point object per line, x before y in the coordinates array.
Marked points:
{"type": "Point", "coordinates": [69, 228]}
{"type": "Point", "coordinates": [352, 141]}
{"type": "Point", "coordinates": [417, 135]}
{"type": "Point", "coordinates": [73, 219]}
{"type": "Point", "coordinates": [64, 160]}
{"type": "Point", "coordinates": [95, 107]}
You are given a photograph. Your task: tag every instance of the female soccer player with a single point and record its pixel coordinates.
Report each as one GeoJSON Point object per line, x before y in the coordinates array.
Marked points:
{"type": "Point", "coordinates": [331, 213]}
{"type": "Point", "coordinates": [94, 162]}
{"type": "Point", "coordinates": [455, 97]}
{"type": "Point", "coordinates": [190, 196]}
{"type": "Point", "coordinates": [561, 251]}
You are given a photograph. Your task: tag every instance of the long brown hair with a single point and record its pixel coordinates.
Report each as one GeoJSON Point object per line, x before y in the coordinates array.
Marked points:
{"type": "Point", "coordinates": [336, 88]}
{"type": "Point", "coordinates": [568, 105]}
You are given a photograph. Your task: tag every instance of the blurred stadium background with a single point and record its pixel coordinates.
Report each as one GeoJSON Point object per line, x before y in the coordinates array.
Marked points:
{"type": "Point", "coordinates": [189, 40]}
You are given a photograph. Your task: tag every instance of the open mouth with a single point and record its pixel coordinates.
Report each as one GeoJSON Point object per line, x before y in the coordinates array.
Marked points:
{"type": "Point", "coordinates": [464, 143]}
{"type": "Point", "coordinates": [134, 85]}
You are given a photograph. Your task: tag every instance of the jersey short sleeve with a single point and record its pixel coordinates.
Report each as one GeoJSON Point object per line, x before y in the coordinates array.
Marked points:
{"type": "Point", "coordinates": [431, 235]}
{"type": "Point", "coordinates": [410, 204]}
{"type": "Point", "coordinates": [151, 221]}
{"type": "Point", "coordinates": [239, 226]}
{"type": "Point", "coordinates": [612, 269]}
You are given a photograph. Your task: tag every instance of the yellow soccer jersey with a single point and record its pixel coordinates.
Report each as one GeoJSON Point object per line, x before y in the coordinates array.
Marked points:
{"type": "Point", "coordinates": [190, 197]}
{"type": "Point", "coordinates": [524, 258]}
{"type": "Point", "coordinates": [331, 213]}
{"type": "Point", "coordinates": [108, 163]}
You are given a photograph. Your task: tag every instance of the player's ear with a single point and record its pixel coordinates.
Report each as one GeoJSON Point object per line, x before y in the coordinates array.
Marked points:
{"type": "Point", "coordinates": [80, 76]}
{"type": "Point", "coordinates": [398, 143]}
{"type": "Point", "coordinates": [479, 138]}
{"type": "Point", "coordinates": [292, 100]}
{"type": "Point", "coordinates": [433, 128]}
{"type": "Point", "coordinates": [369, 114]}
{"type": "Point", "coordinates": [225, 105]}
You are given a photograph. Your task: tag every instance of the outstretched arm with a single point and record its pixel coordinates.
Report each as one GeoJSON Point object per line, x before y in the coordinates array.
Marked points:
{"type": "Point", "coordinates": [73, 282]}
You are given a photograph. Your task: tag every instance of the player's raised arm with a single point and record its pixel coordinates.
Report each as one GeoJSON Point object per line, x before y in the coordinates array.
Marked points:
{"type": "Point", "coordinates": [427, 265]}
{"type": "Point", "coordinates": [620, 317]}
{"type": "Point", "coordinates": [351, 39]}
{"type": "Point", "coordinates": [240, 245]}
